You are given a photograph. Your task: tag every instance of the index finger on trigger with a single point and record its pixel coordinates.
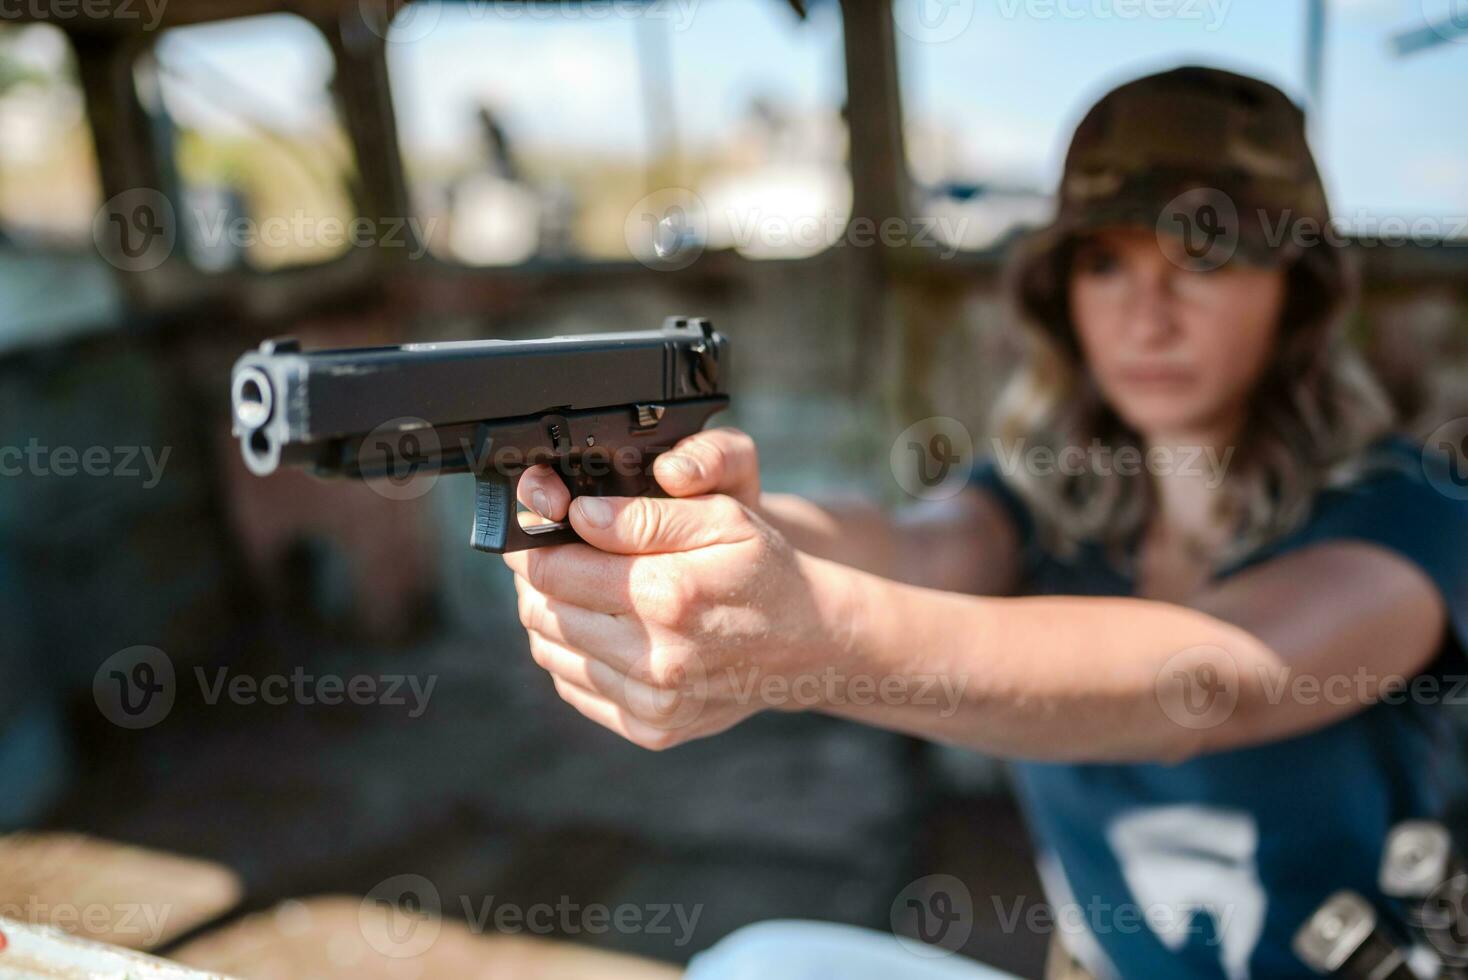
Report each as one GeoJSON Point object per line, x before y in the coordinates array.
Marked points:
{"type": "Point", "coordinates": [720, 460]}
{"type": "Point", "coordinates": [577, 574]}
{"type": "Point", "coordinates": [543, 492]}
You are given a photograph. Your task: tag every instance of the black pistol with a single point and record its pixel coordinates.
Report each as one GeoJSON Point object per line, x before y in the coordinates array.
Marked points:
{"type": "Point", "coordinates": [1344, 939]}
{"type": "Point", "coordinates": [598, 408]}
{"type": "Point", "coordinates": [1420, 867]}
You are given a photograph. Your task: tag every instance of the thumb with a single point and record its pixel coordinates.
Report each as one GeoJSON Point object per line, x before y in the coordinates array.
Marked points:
{"type": "Point", "coordinates": [656, 525]}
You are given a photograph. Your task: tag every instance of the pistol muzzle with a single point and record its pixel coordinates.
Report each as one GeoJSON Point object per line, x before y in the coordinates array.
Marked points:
{"type": "Point", "coordinates": [253, 396]}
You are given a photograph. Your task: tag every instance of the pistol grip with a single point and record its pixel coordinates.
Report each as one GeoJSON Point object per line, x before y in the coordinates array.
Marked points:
{"type": "Point", "coordinates": [496, 519]}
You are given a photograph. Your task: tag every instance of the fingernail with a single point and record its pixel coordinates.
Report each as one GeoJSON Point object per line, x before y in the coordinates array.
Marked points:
{"type": "Point", "coordinates": [595, 511]}
{"type": "Point", "coordinates": [540, 504]}
{"type": "Point", "coordinates": [682, 467]}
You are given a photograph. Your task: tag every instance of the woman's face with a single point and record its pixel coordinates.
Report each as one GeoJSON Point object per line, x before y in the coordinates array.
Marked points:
{"type": "Point", "coordinates": [1175, 352]}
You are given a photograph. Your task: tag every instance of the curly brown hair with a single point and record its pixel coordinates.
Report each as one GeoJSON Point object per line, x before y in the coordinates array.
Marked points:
{"type": "Point", "coordinates": [1313, 414]}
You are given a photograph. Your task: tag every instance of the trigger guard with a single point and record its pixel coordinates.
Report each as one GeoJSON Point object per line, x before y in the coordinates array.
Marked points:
{"type": "Point", "coordinates": [496, 528]}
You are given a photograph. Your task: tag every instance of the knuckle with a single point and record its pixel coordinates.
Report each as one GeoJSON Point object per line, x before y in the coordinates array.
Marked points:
{"type": "Point", "coordinates": [737, 444]}
{"type": "Point", "coordinates": [732, 513]}
{"type": "Point", "coordinates": [525, 606]}
{"type": "Point", "coordinates": [644, 521]}
{"type": "Point", "coordinates": [742, 442]}
{"type": "Point", "coordinates": [671, 672]}
{"type": "Point", "coordinates": [538, 571]}
{"type": "Point", "coordinates": [654, 739]}
{"type": "Point", "coordinates": [665, 598]}
{"type": "Point", "coordinates": [647, 591]}
{"type": "Point", "coordinates": [685, 600]}
{"type": "Point", "coordinates": [670, 669]}
{"type": "Point", "coordinates": [641, 587]}
{"type": "Point", "coordinates": [539, 652]}
{"type": "Point", "coordinates": [710, 456]}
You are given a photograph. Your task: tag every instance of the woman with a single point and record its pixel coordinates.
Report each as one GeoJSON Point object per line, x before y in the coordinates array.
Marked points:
{"type": "Point", "coordinates": [1198, 673]}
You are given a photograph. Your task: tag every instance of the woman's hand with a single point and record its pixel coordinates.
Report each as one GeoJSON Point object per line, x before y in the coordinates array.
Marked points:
{"type": "Point", "coordinates": [677, 616]}
{"type": "Point", "coordinates": [715, 461]}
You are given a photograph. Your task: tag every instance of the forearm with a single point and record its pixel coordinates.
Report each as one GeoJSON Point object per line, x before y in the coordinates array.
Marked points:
{"type": "Point", "coordinates": [1062, 678]}
{"type": "Point", "coordinates": [964, 544]}
{"type": "Point", "coordinates": [855, 533]}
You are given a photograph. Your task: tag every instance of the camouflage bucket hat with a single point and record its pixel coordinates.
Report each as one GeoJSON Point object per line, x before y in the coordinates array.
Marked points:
{"type": "Point", "coordinates": [1216, 163]}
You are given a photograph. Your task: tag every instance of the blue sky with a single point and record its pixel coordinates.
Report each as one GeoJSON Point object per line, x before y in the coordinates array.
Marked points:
{"type": "Point", "coordinates": [1392, 133]}
{"type": "Point", "coordinates": [576, 83]}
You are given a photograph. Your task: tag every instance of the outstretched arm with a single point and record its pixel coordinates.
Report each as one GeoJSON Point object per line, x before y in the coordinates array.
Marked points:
{"type": "Point", "coordinates": [963, 544]}
{"type": "Point", "coordinates": [1278, 650]}
{"type": "Point", "coordinates": [681, 617]}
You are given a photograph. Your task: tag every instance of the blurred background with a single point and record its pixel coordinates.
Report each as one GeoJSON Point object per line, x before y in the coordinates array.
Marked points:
{"type": "Point", "coordinates": [180, 180]}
